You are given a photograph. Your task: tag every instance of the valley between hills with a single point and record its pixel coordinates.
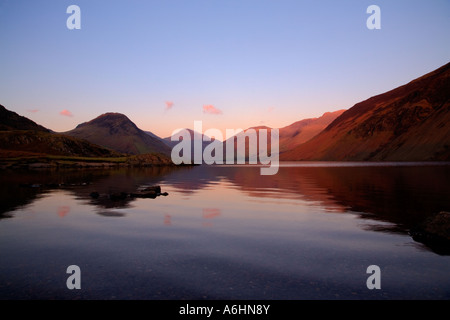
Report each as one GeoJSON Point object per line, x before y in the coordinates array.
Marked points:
{"type": "Point", "coordinates": [408, 123]}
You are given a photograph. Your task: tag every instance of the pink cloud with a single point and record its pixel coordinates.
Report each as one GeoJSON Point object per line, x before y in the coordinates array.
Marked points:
{"type": "Point", "coordinates": [33, 110]}
{"type": "Point", "coordinates": [211, 109]}
{"type": "Point", "coordinates": [169, 105]}
{"type": "Point", "coordinates": [66, 113]}
{"type": "Point", "coordinates": [270, 109]}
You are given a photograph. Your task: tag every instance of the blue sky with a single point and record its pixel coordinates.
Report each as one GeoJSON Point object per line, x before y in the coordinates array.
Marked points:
{"type": "Point", "coordinates": [251, 62]}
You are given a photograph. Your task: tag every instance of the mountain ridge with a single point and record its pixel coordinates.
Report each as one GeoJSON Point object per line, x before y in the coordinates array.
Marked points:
{"type": "Point", "coordinates": [116, 131]}
{"type": "Point", "coordinates": [20, 136]}
{"type": "Point", "coordinates": [408, 123]}
{"type": "Point", "coordinates": [10, 120]}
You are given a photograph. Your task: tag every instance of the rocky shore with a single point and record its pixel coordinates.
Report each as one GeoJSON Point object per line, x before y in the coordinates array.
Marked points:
{"type": "Point", "coordinates": [62, 162]}
{"type": "Point", "coordinates": [434, 231]}
{"type": "Point", "coordinates": [149, 192]}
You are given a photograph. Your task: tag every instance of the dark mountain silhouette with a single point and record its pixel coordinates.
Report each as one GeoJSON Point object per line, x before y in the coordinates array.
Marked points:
{"type": "Point", "coordinates": [409, 123]}
{"type": "Point", "coordinates": [117, 132]}
{"type": "Point", "coordinates": [20, 136]}
{"type": "Point", "coordinates": [10, 120]}
{"type": "Point", "coordinates": [18, 143]}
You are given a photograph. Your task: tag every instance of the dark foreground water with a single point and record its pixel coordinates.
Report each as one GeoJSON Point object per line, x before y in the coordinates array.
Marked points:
{"type": "Point", "coordinates": [224, 232]}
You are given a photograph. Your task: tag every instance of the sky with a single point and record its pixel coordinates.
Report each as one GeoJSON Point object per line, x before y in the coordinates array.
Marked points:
{"type": "Point", "coordinates": [229, 63]}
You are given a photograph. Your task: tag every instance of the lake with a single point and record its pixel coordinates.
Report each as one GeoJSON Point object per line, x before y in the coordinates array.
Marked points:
{"type": "Point", "coordinates": [224, 232]}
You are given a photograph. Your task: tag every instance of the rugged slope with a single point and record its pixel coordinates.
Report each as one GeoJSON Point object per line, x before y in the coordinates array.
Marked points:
{"type": "Point", "coordinates": [409, 123]}
{"type": "Point", "coordinates": [117, 132]}
{"type": "Point", "coordinates": [18, 143]}
{"type": "Point", "coordinates": [10, 120]}
{"type": "Point", "coordinates": [290, 136]}
{"type": "Point", "coordinates": [20, 136]}
{"type": "Point", "coordinates": [301, 131]}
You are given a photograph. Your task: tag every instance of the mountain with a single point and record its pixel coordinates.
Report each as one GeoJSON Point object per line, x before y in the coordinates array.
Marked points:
{"type": "Point", "coordinates": [168, 141]}
{"type": "Point", "coordinates": [409, 123]}
{"type": "Point", "coordinates": [10, 120]}
{"type": "Point", "coordinates": [117, 132]}
{"type": "Point", "coordinates": [151, 134]}
{"type": "Point", "coordinates": [20, 136]}
{"type": "Point", "coordinates": [303, 130]}
{"type": "Point", "coordinates": [292, 135]}
{"type": "Point", "coordinates": [16, 143]}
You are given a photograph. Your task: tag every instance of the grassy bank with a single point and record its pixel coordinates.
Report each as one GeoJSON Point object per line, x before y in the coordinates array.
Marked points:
{"type": "Point", "coordinates": [27, 160]}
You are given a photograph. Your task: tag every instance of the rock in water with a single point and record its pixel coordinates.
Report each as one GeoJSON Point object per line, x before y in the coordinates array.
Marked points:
{"type": "Point", "coordinates": [144, 194]}
{"type": "Point", "coordinates": [439, 225]}
{"type": "Point", "coordinates": [118, 196]}
{"type": "Point", "coordinates": [434, 230]}
{"type": "Point", "coordinates": [94, 194]}
{"type": "Point", "coordinates": [156, 189]}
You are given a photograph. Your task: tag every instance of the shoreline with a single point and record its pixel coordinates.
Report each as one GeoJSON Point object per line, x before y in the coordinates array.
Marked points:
{"type": "Point", "coordinates": [155, 160]}
{"type": "Point", "coordinates": [71, 162]}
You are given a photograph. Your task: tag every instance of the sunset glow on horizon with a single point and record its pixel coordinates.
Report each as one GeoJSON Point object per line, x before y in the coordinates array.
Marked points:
{"type": "Point", "coordinates": [231, 64]}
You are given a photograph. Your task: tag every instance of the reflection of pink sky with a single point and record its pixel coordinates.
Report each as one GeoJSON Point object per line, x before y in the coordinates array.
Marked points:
{"type": "Point", "coordinates": [305, 185]}
{"type": "Point", "coordinates": [63, 211]}
{"type": "Point", "coordinates": [209, 213]}
{"type": "Point", "coordinates": [167, 220]}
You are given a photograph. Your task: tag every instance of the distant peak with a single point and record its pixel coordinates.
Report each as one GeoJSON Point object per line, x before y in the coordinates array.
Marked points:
{"type": "Point", "coordinates": [110, 120]}
{"type": "Point", "coordinates": [260, 128]}
{"type": "Point", "coordinates": [112, 115]}
{"type": "Point", "coordinates": [329, 113]}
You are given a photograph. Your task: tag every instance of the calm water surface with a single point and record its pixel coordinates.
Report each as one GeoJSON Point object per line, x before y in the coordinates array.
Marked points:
{"type": "Point", "coordinates": [224, 232]}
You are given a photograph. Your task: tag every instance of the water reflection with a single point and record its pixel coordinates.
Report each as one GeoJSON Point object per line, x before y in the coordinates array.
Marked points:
{"type": "Point", "coordinates": [63, 211]}
{"type": "Point", "coordinates": [395, 198]}
{"type": "Point", "coordinates": [21, 188]}
{"type": "Point", "coordinates": [110, 213]}
{"type": "Point", "coordinates": [208, 214]}
{"type": "Point", "coordinates": [401, 195]}
{"type": "Point", "coordinates": [167, 220]}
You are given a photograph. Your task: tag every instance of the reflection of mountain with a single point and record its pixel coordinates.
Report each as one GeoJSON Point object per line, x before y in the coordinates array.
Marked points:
{"type": "Point", "coordinates": [22, 188]}
{"type": "Point", "coordinates": [196, 178]}
{"type": "Point", "coordinates": [409, 123]}
{"type": "Point", "coordinates": [121, 181]}
{"type": "Point", "coordinates": [402, 195]}
{"type": "Point", "coordinates": [395, 198]}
